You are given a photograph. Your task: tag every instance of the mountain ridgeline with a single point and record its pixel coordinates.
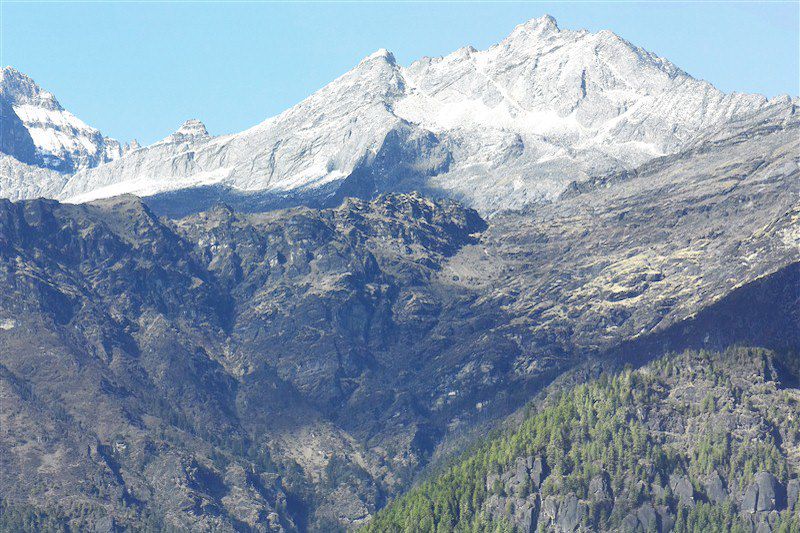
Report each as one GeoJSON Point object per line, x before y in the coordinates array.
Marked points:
{"type": "Point", "coordinates": [496, 129]}
{"type": "Point", "coordinates": [563, 242]}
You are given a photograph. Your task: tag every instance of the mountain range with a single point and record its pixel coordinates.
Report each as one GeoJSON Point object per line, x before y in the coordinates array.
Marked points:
{"type": "Point", "coordinates": [549, 286]}
{"type": "Point", "coordinates": [495, 129]}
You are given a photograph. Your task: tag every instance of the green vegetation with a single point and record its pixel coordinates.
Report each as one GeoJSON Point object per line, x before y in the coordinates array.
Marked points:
{"type": "Point", "coordinates": [688, 417]}
{"type": "Point", "coordinates": [23, 518]}
{"type": "Point", "coordinates": [26, 518]}
{"type": "Point", "coordinates": [612, 427]}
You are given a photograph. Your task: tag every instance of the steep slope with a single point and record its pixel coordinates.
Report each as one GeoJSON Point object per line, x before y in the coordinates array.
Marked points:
{"type": "Point", "coordinates": [696, 442]}
{"type": "Point", "coordinates": [319, 141]}
{"type": "Point", "coordinates": [635, 258]}
{"type": "Point", "coordinates": [15, 139]}
{"type": "Point", "coordinates": [38, 131]}
{"type": "Point", "coordinates": [135, 379]}
{"type": "Point", "coordinates": [212, 371]}
{"type": "Point", "coordinates": [19, 180]}
{"type": "Point", "coordinates": [496, 129]}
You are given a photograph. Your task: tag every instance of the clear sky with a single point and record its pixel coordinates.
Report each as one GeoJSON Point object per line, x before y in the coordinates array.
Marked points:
{"type": "Point", "coordinates": [139, 69]}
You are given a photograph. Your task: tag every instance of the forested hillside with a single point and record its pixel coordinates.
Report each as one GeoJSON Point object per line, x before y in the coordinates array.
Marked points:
{"type": "Point", "coordinates": [694, 442]}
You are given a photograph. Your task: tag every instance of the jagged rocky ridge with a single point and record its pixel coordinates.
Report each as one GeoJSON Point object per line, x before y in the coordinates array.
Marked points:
{"type": "Point", "coordinates": [496, 129]}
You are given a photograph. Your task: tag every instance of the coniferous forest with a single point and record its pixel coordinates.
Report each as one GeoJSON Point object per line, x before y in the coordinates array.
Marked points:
{"type": "Point", "coordinates": [695, 442]}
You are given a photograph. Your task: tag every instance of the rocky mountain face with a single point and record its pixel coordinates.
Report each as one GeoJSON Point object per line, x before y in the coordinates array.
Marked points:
{"type": "Point", "coordinates": [180, 362]}
{"type": "Point", "coordinates": [136, 372]}
{"type": "Point", "coordinates": [298, 368]}
{"type": "Point", "coordinates": [37, 131]}
{"type": "Point", "coordinates": [495, 129]}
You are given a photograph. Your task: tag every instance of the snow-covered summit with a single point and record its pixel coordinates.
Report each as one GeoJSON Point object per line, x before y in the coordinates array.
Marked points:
{"type": "Point", "coordinates": [20, 89]}
{"type": "Point", "coordinates": [382, 54]}
{"type": "Point", "coordinates": [496, 128]}
{"type": "Point", "coordinates": [60, 140]}
{"type": "Point", "coordinates": [191, 130]}
{"type": "Point", "coordinates": [535, 27]}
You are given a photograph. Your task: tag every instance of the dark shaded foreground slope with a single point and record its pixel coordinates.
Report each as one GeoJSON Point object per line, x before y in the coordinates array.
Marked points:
{"type": "Point", "coordinates": [702, 441]}
{"type": "Point", "coordinates": [295, 369]}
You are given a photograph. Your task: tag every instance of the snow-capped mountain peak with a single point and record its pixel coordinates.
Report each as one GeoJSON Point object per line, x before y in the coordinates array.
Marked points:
{"type": "Point", "coordinates": [191, 130]}
{"type": "Point", "coordinates": [381, 54]}
{"type": "Point", "coordinates": [19, 89]}
{"type": "Point", "coordinates": [496, 128]}
{"type": "Point", "coordinates": [61, 141]}
{"type": "Point", "coordinates": [535, 27]}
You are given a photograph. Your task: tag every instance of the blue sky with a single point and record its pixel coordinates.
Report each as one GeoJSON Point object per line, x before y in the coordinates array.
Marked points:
{"type": "Point", "coordinates": [138, 70]}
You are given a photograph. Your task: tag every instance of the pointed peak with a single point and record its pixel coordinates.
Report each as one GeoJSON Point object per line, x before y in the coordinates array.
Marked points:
{"type": "Point", "coordinates": [14, 74]}
{"type": "Point", "coordinates": [21, 89]}
{"type": "Point", "coordinates": [381, 54]}
{"type": "Point", "coordinates": [190, 130]}
{"type": "Point", "coordinates": [193, 128]}
{"type": "Point", "coordinates": [545, 22]}
{"type": "Point", "coordinates": [535, 27]}
{"type": "Point", "coordinates": [8, 70]}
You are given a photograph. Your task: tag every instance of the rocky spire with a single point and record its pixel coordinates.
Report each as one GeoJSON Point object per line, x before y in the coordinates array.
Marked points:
{"type": "Point", "coordinates": [190, 130]}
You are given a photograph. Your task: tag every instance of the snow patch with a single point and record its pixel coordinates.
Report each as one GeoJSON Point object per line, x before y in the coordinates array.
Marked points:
{"type": "Point", "coordinates": [149, 186]}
